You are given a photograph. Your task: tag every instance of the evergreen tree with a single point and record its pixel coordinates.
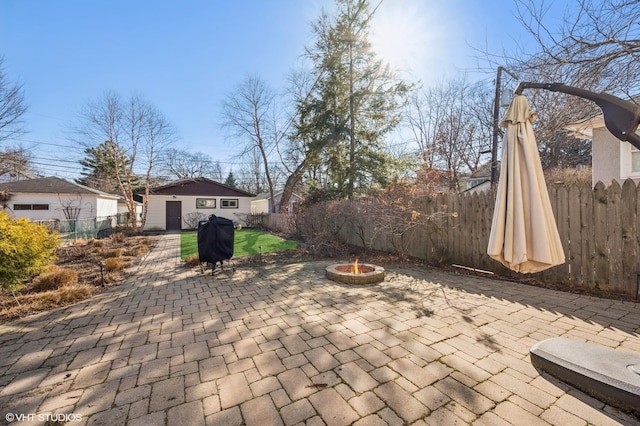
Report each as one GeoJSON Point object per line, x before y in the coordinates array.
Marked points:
{"type": "Point", "coordinates": [99, 168]}
{"type": "Point", "coordinates": [231, 180]}
{"type": "Point", "coordinates": [355, 102]}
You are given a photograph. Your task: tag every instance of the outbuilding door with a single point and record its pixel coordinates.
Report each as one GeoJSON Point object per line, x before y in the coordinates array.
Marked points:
{"type": "Point", "coordinates": [174, 215]}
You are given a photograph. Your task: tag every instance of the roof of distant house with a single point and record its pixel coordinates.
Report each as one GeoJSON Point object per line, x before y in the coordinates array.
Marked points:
{"type": "Point", "coordinates": [50, 185]}
{"type": "Point", "coordinates": [266, 195]}
{"type": "Point", "coordinates": [199, 186]}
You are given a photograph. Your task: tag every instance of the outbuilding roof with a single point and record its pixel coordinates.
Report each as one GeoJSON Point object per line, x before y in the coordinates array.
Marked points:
{"type": "Point", "coordinates": [199, 186]}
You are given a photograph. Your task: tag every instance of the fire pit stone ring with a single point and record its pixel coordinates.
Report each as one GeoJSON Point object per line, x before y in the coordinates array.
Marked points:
{"type": "Point", "coordinates": [343, 273]}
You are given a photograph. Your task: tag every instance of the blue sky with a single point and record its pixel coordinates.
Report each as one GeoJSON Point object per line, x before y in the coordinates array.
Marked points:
{"type": "Point", "coordinates": [185, 56]}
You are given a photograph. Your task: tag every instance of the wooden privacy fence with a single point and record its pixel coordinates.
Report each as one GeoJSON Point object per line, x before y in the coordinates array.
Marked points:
{"type": "Point", "coordinates": [599, 229]}
{"type": "Point", "coordinates": [280, 222]}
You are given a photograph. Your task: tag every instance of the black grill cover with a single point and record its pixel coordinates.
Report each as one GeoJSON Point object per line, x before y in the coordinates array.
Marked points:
{"type": "Point", "coordinates": [215, 239]}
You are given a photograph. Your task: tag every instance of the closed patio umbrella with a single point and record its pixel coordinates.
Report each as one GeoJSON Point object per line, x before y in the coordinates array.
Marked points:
{"type": "Point", "coordinates": [524, 236]}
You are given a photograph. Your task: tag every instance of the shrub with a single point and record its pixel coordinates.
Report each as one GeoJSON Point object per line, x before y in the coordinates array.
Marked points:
{"type": "Point", "coordinates": [389, 217]}
{"type": "Point", "coordinates": [118, 237]}
{"type": "Point", "coordinates": [97, 243]}
{"type": "Point", "coordinates": [192, 260]}
{"type": "Point", "coordinates": [569, 176]}
{"type": "Point", "coordinates": [26, 249]}
{"type": "Point", "coordinates": [54, 279]}
{"type": "Point", "coordinates": [146, 241]}
{"type": "Point", "coordinates": [191, 220]}
{"type": "Point", "coordinates": [137, 250]}
{"type": "Point", "coordinates": [36, 302]}
{"type": "Point", "coordinates": [112, 253]}
{"type": "Point", "coordinates": [320, 225]}
{"type": "Point", "coordinates": [113, 264]}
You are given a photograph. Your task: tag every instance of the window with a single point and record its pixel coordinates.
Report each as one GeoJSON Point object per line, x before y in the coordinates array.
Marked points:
{"type": "Point", "coordinates": [229, 203]}
{"type": "Point", "coordinates": [635, 160]}
{"type": "Point", "coordinates": [31, 207]}
{"type": "Point", "coordinates": [205, 203]}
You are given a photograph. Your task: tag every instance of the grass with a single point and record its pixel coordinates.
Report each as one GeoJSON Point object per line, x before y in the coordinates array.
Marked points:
{"type": "Point", "coordinates": [246, 242]}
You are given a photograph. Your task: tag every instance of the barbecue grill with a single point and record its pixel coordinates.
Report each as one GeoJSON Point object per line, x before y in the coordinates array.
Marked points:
{"type": "Point", "coordinates": [215, 241]}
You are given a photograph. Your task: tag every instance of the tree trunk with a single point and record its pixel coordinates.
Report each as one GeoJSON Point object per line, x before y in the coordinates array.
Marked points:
{"type": "Point", "coordinates": [351, 176]}
{"type": "Point", "coordinates": [291, 183]}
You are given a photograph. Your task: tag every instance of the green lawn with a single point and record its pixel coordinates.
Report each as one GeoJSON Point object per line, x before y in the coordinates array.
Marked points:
{"type": "Point", "coordinates": [246, 241]}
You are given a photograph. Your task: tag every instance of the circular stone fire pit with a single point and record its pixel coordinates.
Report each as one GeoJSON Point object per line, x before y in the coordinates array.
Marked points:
{"type": "Point", "coordinates": [343, 273]}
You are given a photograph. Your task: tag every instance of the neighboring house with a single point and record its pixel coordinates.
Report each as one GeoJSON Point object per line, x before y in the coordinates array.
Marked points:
{"type": "Point", "coordinates": [123, 211]}
{"type": "Point", "coordinates": [480, 187]}
{"type": "Point", "coordinates": [478, 181]}
{"type": "Point", "coordinates": [178, 205]}
{"type": "Point", "coordinates": [611, 158]}
{"type": "Point", "coordinates": [55, 198]}
{"type": "Point", "coordinates": [262, 203]}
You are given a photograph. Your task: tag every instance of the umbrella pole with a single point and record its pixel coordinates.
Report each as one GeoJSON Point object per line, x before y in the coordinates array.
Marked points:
{"type": "Point", "coordinates": [496, 124]}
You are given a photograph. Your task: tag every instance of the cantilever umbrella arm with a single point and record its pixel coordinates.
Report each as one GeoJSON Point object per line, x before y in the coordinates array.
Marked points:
{"type": "Point", "coordinates": [621, 117]}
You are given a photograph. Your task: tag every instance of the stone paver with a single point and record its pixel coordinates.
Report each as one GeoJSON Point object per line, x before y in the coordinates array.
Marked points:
{"type": "Point", "coordinates": [280, 344]}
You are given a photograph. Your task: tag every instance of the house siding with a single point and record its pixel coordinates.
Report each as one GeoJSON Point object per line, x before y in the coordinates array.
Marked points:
{"type": "Point", "coordinates": [260, 206]}
{"type": "Point", "coordinates": [607, 158]}
{"type": "Point", "coordinates": [106, 207]}
{"type": "Point", "coordinates": [262, 203]}
{"type": "Point", "coordinates": [156, 213]}
{"type": "Point", "coordinates": [90, 206]}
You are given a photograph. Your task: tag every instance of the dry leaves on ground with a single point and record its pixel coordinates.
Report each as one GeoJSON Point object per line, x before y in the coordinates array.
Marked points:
{"type": "Point", "coordinates": [99, 264]}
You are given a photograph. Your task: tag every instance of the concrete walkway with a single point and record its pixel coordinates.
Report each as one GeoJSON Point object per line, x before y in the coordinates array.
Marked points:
{"type": "Point", "coordinates": [275, 345]}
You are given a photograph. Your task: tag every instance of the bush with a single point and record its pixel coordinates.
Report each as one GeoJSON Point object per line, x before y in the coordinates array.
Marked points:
{"type": "Point", "coordinates": [37, 302]}
{"type": "Point", "coordinates": [54, 279]}
{"type": "Point", "coordinates": [112, 253]}
{"type": "Point", "coordinates": [191, 220]}
{"type": "Point", "coordinates": [146, 241]}
{"type": "Point", "coordinates": [26, 249]}
{"type": "Point", "coordinates": [192, 260]}
{"type": "Point", "coordinates": [97, 243]}
{"type": "Point", "coordinates": [389, 217]}
{"type": "Point", "coordinates": [320, 225]}
{"type": "Point", "coordinates": [118, 237]}
{"type": "Point", "coordinates": [113, 264]}
{"type": "Point", "coordinates": [572, 176]}
{"type": "Point", "coordinates": [137, 250]}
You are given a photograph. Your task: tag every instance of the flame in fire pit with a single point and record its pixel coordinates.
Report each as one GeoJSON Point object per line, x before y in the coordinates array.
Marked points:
{"type": "Point", "coordinates": [355, 269]}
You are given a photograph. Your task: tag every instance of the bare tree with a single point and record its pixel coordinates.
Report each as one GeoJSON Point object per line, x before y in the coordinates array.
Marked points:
{"type": "Point", "coordinates": [450, 124]}
{"type": "Point", "coordinates": [159, 134]}
{"type": "Point", "coordinates": [216, 172]}
{"type": "Point", "coordinates": [14, 161]}
{"type": "Point", "coordinates": [299, 153]}
{"type": "Point", "coordinates": [250, 176]}
{"type": "Point", "coordinates": [248, 113]}
{"type": "Point", "coordinates": [421, 118]}
{"type": "Point", "coordinates": [5, 196]}
{"type": "Point", "coordinates": [136, 133]}
{"type": "Point", "coordinates": [185, 165]}
{"type": "Point", "coordinates": [594, 45]}
{"type": "Point", "coordinates": [12, 106]}
{"type": "Point", "coordinates": [591, 44]}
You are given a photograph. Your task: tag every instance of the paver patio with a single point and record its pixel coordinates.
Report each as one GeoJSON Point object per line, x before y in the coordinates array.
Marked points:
{"type": "Point", "coordinates": [277, 345]}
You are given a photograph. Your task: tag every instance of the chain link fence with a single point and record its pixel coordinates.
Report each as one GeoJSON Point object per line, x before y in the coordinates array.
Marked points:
{"type": "Point", "coordinates": [76, 229]}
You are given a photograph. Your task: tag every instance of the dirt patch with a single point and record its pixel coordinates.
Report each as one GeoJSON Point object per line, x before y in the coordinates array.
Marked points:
{"type": "Point", "coordinates": [100, 264]}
